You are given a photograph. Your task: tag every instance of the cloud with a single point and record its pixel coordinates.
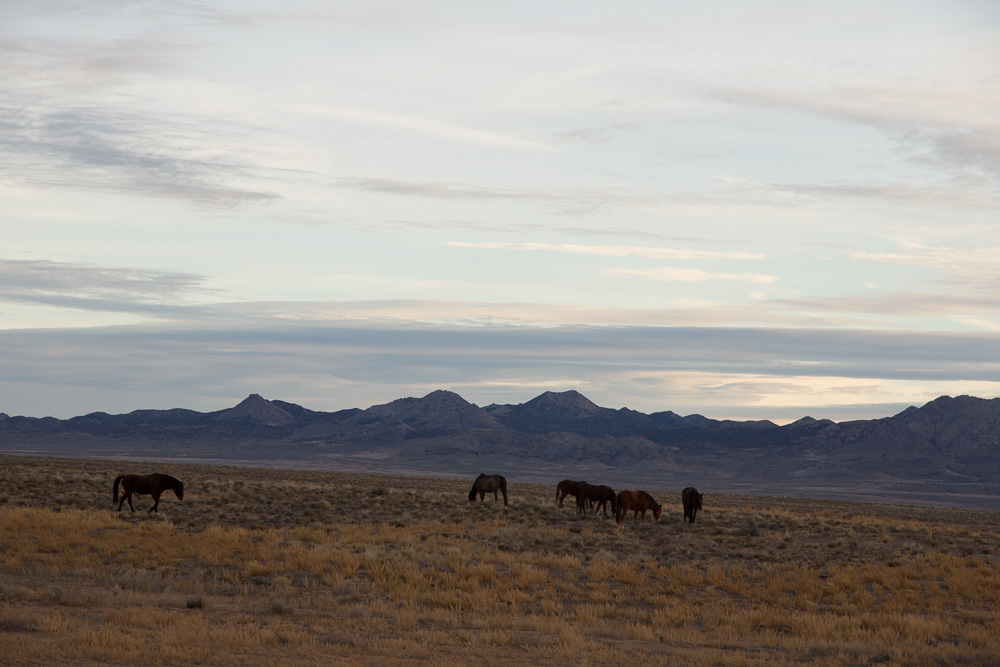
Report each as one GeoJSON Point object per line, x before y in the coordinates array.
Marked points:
{"type": "Point", "coordinates": [572, 201]}
{"type": "Point", "coordinates": [940, 129]}
{"type": "Point", "coordinates": [692, 275]}
{"type": "Point", "coordinates": [336, 365]}
{"type": "Point", "coordinates": [611, 251]}
{"type": "Point", "coordinates": [595, 135]}
{"type": "Point", "coordinates": [979, 261]}
{"type": "Point", "coordinates": [114, 289]}
{"type": "Point", "coordinates": [69, 117]}
{"type": "Point", "coordinates": [420, 125]}
{"type": "Point", "coordinates": [114, 150]}
{"type": "Point", "coordinates": [578, 200]}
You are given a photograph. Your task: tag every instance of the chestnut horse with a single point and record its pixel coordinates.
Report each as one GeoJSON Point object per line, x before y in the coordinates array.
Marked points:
{"type": "Point", "coordinates": [691, 500]}
{"type": "Point", "coordinates": [594, 493]}
{"type": "Point", "coordinates": [146, 485]}
{"type": "Point", "coordinates": [636, 501]}
{"type": "Point", "coordinates": [567, 487]}
{"type": "Point", "coordinates": [488, 484]}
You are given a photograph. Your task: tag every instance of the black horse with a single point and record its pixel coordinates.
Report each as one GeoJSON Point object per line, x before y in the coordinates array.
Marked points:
{"type": "Point", "coordinates": [597, 496]}
{"type": "Point", "coordinates": [146, 485]}
{"type": "Point", "coordinates": [489, 484]}
{"type": "Point", "coordinates": [567, 487]}
{"type": "Point", "coordinates": [691, 500]}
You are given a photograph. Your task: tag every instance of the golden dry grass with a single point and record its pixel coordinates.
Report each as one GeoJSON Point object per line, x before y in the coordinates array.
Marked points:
{"type": "Point", "coordinates": [258, 565]}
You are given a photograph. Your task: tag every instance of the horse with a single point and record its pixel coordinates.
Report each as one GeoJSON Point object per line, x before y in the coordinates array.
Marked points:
{"type": "Point", "coordinates": [146, 485]}
{"type": "Point", "coordinates": [488, 484]}
{"type": "Point", "coordinates": [594, 493]}
{"type": "Point", "coordinates": [691, 500]}
{"type": "Point", "coordinates": [567, 487]}
{"type": "Point", "coordinates": [636, 501]}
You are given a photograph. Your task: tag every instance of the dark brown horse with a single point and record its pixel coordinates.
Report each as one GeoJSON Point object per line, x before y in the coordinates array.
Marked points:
{"type": "Point", "coordinates": [636, 501]}
{"type": "Point", "coordinates": [589, 494]}
{"type": "Point", "coordinates": [567, 487]}
{"type": "Point", "coordinates": [489, 484]}
{"type": "Point", "coordinates": [691, 500]}
{"type": "Point", "coordinates": [146, 485]}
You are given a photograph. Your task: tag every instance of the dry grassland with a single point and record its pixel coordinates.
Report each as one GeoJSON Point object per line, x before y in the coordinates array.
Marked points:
{"type": "Point", "coordinates": [256, 566]}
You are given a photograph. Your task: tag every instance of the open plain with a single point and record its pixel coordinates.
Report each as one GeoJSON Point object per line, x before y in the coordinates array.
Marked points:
{"type": "Point", "coordinates": [259, 565]}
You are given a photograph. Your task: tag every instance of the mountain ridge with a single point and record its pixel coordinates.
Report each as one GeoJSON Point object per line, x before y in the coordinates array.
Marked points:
{"type": "Point", "coordinates": [948, 446]}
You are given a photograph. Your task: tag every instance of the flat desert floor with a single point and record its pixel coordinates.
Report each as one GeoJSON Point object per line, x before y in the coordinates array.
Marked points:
{"type": "Point", "coordinates": [256, 566]}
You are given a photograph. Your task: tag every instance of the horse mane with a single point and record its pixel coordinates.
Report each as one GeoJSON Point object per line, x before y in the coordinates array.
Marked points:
{"type": "Point", "coordinates": [170, 479]}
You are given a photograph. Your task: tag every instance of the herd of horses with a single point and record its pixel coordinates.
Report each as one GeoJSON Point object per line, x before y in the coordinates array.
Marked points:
{"type": "Point", "coordinates": [593, 497]}
{"type": "Point", "coordinates": [589, 497]}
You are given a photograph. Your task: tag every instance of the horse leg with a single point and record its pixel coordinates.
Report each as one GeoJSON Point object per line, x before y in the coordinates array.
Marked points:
{"type": "Point", "coordinates": [156, 503]}
{"type": "Point", "coordinates": [129, 496]}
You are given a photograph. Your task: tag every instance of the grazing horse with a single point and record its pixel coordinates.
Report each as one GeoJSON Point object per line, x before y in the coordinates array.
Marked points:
{"type": "Point", "coordinates": [691, 500]}
{"type": "Point", "coordinates": [636, 501]}
{"type": "Point", "coordinates": [567, 487]}
{"type": "Point", "coordinates": [594, 493]}
{"type": "Point", "coordinates": [489, 484]}
{"type": "Point", "coordinates": [146, 485]}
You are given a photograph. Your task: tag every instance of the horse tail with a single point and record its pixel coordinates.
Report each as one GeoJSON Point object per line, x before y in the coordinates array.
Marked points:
{"type": "Point", "coordinates": [618, 507]}
{"type": "Point", "coordinates": [114, 489]}
{"type": "Point", "coordinates": [503, 488]}
{"type": "Point", "coordinates": [558, 490]}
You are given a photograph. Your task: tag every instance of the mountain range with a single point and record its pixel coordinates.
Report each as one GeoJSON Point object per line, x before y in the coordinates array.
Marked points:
{"type": "Point", "coordinates": [945, 452]}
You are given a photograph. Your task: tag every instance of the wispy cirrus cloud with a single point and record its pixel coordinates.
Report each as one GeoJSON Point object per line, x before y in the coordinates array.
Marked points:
{"type": "Point", "coordinates": [99, 288]}
{"type": "Point", "coordinates": [979, 259]}
{"type": "Point", "coordinates": [611, 251]}
{"type": "Point", "coordinates": [69, 118]}
{"type": "Point", "coordinates": [950, 131]}
{"type": "Point", "coordinates": [428, 126]}
{"type": "Point", "coordinates": [599, 134]}
{"type": "Point", "coordinates": [673, 274]}
{"type": "Point", "coordinates": [578, 200]}
{"type": "Point", "coordinates": [114, 150]}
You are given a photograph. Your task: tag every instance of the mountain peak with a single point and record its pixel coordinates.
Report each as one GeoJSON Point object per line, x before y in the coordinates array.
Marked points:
{"type": "Point", "coordinates": [257, 408]}
{"type": "Point", "coordinates": [570, 402]}
{"type": "Point", "coordinates": [446, 397]}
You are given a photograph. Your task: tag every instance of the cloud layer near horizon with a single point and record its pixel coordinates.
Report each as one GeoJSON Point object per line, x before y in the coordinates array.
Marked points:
{"type": "Point", "coordinates": [763, 210]}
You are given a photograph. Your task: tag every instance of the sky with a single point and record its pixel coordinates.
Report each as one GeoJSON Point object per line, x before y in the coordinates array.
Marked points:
{"type": "Point", "coordinates": [758, 210]}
